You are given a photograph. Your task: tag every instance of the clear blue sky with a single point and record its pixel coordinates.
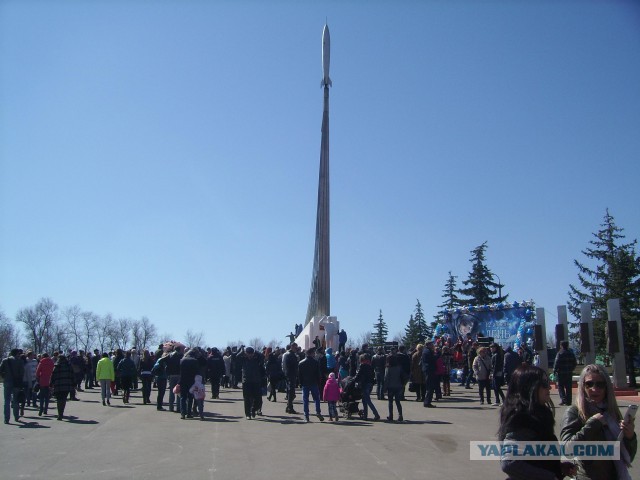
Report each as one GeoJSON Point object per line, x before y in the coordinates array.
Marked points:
{"type": "Point", "coordinates": [160, 159]}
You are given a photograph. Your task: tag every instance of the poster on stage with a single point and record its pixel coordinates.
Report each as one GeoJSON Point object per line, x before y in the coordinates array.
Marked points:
{"type": "Point", "coordinates": [507, 326]}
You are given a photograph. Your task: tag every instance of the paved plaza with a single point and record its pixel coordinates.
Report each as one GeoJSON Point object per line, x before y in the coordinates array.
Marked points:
{"type": "Point", "coordinates": [136, 441]}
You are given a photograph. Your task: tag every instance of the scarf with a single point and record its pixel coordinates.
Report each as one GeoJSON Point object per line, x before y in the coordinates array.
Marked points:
{"type": "Point", "coordinates": [611, 431]}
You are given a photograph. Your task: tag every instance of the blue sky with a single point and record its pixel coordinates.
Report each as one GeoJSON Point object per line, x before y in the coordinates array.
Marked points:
{"type": "Point", "coordinates": [160, 159]}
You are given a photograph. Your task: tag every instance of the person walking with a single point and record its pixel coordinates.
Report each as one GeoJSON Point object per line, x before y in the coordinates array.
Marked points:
{"type": "Point", "coordinates": [290, 370]}
{"type": "Point", "coordinates": [128, 372]}
{"type": "Point", "coordinates": [144, 369]}
{"type": "Point", "coordinates": [482, 370]}
{"type": "Point", "coordinates": [331, 395]}
{"type": "Point", "coordinates": [429, 371]}
{"type": "Point", "coordinates": [309, 375]}
{"type": "Point", "coordinates": [12, 370]}
{"type": "Point", "coordinates": [43, 377]}
{"type": "Point", "coordinates": [497, 372]}
{"type": "Point", "coordinates": [63, 381]}
{"type": "Point", "coordinates": [563, 367]}
{"type": "Point", "coordinates": [105, 374]}
{"type": "Point", "coordinates": [253, 374]}
{"type": "Point", "coordinates": [364, 376]}
{"type": "Point", "coordinates": [394, 380]}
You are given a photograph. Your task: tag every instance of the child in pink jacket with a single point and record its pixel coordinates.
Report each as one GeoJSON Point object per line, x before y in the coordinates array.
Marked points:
{"type": "Point", "coordinates": [331, 395]}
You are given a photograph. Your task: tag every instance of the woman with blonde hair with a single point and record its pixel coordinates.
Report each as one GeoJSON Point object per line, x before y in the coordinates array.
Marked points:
{"type": "Point", "coordinates": [595, 417]}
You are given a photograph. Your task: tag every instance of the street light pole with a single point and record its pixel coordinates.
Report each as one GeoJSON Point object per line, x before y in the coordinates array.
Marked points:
{"type": "Point", "coordinates": [499, 286]}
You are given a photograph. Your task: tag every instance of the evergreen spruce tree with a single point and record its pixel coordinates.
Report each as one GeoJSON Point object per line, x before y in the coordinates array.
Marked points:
{"type": "Point", "coordinates": [422, 329]}
{"type": "Point", "coordinates": [481, 289]}
{"type": "Point", "coordinates": [614, 273]}
{"type": "Point", "coordinates": [411, 334]}
{"type": "Point", "coordinates": [380, 332]}
{"type": "Point", "coordinates": [449, 295]}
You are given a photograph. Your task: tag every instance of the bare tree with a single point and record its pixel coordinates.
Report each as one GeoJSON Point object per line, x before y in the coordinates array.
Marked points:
{"type": "Point", "coordinates": [147, 333]}
{"type": "Point", "coordinates": [273, 344]}
{"type": "Point", "coordinates": [104, 332]}
{"type": "Point", "coordinates": [194, 339]}
{"type": "Point", "coordinates": [73, 323]}
{"type": "Point", "coordinates": [136, 333]}
{"type": "Point", "coordinates": [59, 338]}
{"type": "Point", "coordinates": [122, 332]}
{"type": "Point", "coordinates": [39, 321]}
{"type": "Point", "coordinates": [256, 342]}
{"type": "Point", "coordinates": [165, 337]}
{"type": "Point", "coordinates": [9, 335]}
{"type": "Point", "coordinates": [88, 332]}
{"type": "Point", "coordinates": [362, 339]}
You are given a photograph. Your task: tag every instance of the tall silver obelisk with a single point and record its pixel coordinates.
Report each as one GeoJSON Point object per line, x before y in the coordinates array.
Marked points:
{"type": "Point", "coordinates": [320, 297]}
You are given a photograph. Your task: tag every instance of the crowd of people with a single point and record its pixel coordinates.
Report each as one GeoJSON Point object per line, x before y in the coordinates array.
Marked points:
{"type": "Point", "coordinates": [526, 414]}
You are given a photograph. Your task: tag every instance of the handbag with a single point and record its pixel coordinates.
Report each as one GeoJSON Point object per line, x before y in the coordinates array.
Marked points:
{"type": "Point", "coordinates": [176, 389]}
{"type": "Point", "coordinates": [413, 387]}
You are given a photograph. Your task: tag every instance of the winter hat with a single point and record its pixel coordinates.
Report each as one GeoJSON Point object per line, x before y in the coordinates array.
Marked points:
{"type": "Point", "coordinates": [332, 376]}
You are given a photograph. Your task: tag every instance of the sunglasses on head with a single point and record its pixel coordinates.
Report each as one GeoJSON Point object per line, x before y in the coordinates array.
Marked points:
{"type": "Point", "coordinates": [591, 384]}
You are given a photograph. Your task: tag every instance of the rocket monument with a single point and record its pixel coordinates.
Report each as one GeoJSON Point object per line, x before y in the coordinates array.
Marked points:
{"type": "Point", "coordinates": [320, 298]}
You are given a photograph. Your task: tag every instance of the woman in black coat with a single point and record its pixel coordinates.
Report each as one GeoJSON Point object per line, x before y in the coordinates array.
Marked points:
{"type": "Point", "coordinates": [62, 381]}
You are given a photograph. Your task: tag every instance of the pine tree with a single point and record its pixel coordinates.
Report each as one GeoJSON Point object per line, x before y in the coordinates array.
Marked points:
{"type": "Point", "coordinates": [449, 295]}
{"type": "Point", "coordinates": [380, 333]}
{"type": "Point", "coordinates": [481, 289]}
{"type": "Point", "coordinates": [422, 328]}
{"type": "Point", "coordinates": [614, 273]}
{"type": "Point", "coordinates": [411, 335]}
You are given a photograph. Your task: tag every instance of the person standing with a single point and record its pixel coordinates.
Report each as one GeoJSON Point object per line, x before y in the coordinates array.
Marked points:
{"type": "Point", "coordinates": [12, 369]}
{"type": "Point", "coordinates": [290, 369]}
{"type": "Point", "coordinates": [128, 372]}
{"type": "Point", "coordinates": [379, 362]}
{"type": "Point", "coordinates": [342, 341]}
{"type": "Point", "coordinates": [429, 371]}
{"type": "Point", "coordinates": [563, 367]}
{"type": "Point", "coordinates": [595, 417]}
{"type": "Point", "coordinates": [309, 373]}
{"type": "Point", "coordinates": [482, 370]}
{"type": "Point", "coordinates": [43, 377]}
{"type": "Point", "coordinates": [253, 374]}
{"type": "Point", "coordinates": [63, 380]}
{"type": "Point", "coordinates": [417, 376]}
{"type": "Point", "coordinates": [497, 372]}
{"type": "Point", "coordinates": [215, 371]}
{"type": "Point", "coordinates": [527, 416]}
{"type": "Point", "coordinates": [189, 368]}
{"type": "Point", "coordinates": [144, 368]}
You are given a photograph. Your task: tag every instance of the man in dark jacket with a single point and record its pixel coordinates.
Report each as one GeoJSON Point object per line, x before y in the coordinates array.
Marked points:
{"type": "Point", "coordinates": [189, 368]}
{"type": "Point", "coordinates": [378, 362]}
{"type": "Point", "coordinates": [511, 362]}
{"type": "Point", "coordinates": [215, 370]}
{"type": "Point", "coordinates": [12, 370]}
{"type": "Point", "coordinates": [429, 370]}
{"type": "Point", "coordinates": [563, 368]}
{"type": "Point", "coordinates": [309, 373]}
{"type": "Point", "coordinates": [253, 375]}
{"type": "Point", "coordinates": [290, 369]}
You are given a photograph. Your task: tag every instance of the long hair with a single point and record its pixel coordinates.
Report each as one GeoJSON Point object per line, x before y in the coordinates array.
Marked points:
{"type": "Point", "coordinates": [610, 398]}
{"type": "Point", "coordinates": [521, 400]}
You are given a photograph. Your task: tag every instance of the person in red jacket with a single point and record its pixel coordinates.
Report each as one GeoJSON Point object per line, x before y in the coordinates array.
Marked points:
{"type": "Point", "coordinates": [43, 377]}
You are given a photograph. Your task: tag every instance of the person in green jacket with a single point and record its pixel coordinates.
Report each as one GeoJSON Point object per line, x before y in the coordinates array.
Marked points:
{"type": "Point", "coordinates": [105, 375]}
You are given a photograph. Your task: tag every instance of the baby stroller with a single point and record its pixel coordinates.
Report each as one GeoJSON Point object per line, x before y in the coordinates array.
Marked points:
{"type": "Point", "coordinates": [349, 396]}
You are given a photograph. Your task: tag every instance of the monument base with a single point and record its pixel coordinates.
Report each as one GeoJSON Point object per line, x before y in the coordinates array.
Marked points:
{"type": "Point", "coordinates": [326, 328]}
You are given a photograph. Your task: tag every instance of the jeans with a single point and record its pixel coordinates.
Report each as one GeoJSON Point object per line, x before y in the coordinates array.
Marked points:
{"type": "Point", "coordinates": [380, 385]}
{"type": "Point", "coordinates": [366, 401]}
{"type": "Point", "coordinates": [44, 395]}
{"type": "Point", "coordinates": [161, 383]}
{"type": "Point", "coordinates": [105, 389]}
{"type": "Point", "coordinates": [393, 394]}
{"type": "Point", "coordinates": [497, 389]}
{"type": "Point", "coordinates": [252, 394]}
{"type": "Point", "coordinates": [291, 392]}
{"type": "Point", "coordinates": [10, 400]}
{"type": "Point", "coordinates": [186, 400]}
{"type": "Point", "coordinates": [564, 389]}
{"type": "Point", "coordinates": [146, 388]}
{"type": "Point", "coordinates": [200, 406]}
{"type": "Point", "coordinates": [173, 381]}
{"type": "Point", "coordinates": [315, 394]}
{"type": "Point", "coordinates": [483, 385]}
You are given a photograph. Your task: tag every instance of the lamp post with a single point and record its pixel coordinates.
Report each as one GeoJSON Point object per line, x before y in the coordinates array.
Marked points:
{"type": "Point", "coordinates": [499, 286]}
